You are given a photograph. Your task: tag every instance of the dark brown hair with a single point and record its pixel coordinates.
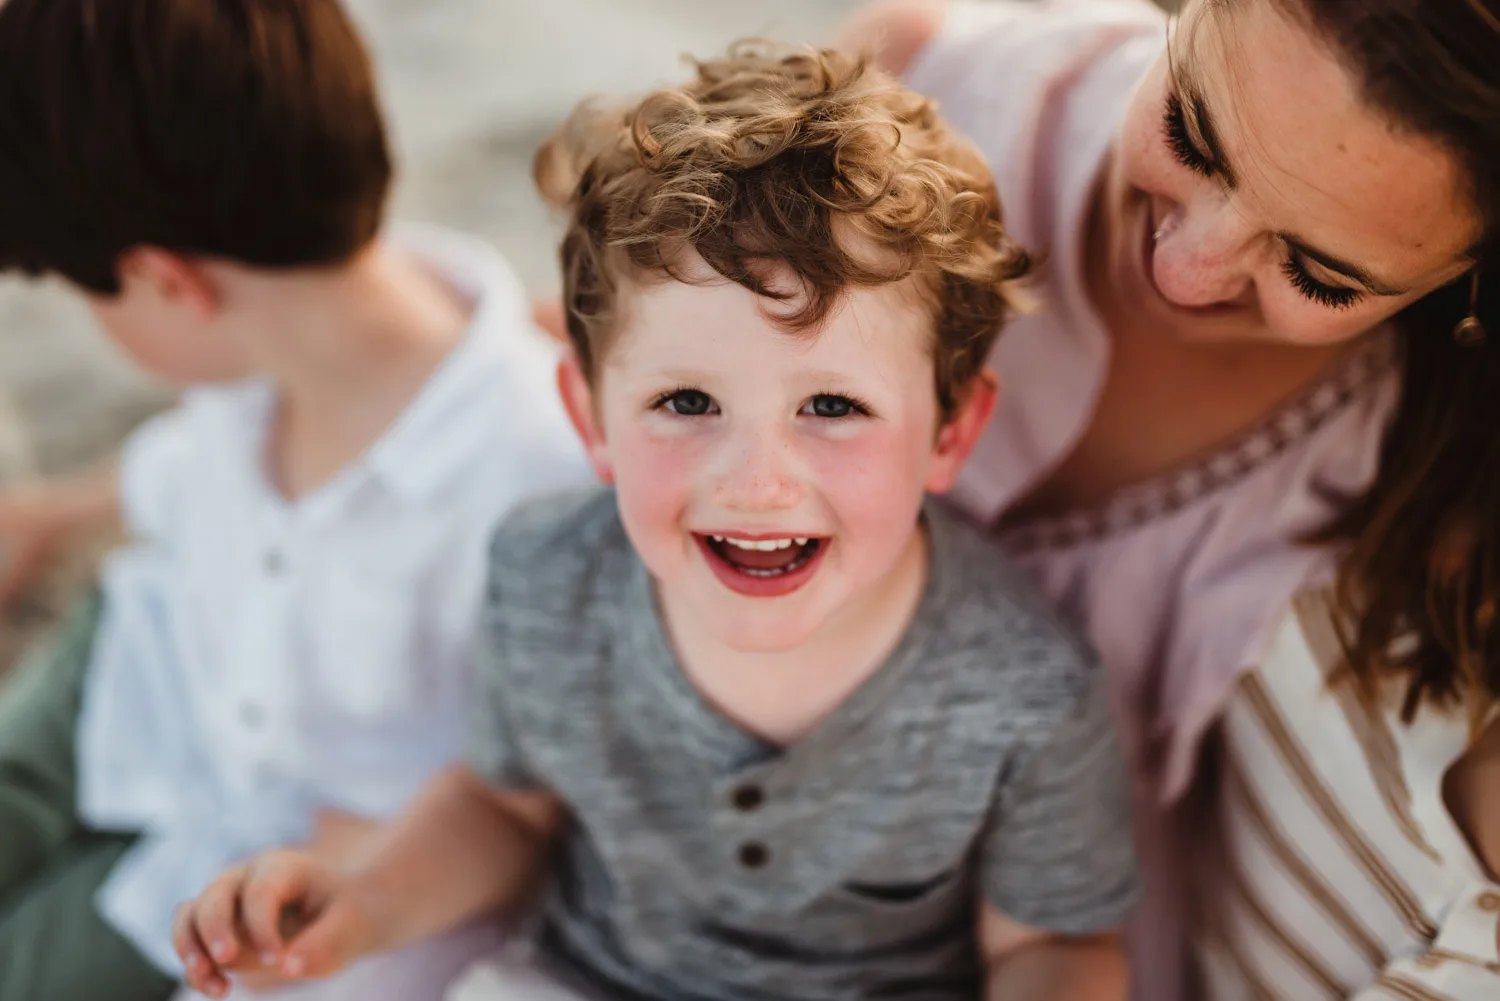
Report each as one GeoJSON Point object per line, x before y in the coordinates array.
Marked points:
{"type": "Point", "coordinates": [241, 129]}
{"type": "Point", "coordinates": [812, 160]}
{"type": "Point", "coordinates": [1420, 583]}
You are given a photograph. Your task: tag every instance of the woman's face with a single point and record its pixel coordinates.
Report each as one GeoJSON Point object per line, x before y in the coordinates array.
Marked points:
{"type": "Point", "coordinates": [1254, 195]}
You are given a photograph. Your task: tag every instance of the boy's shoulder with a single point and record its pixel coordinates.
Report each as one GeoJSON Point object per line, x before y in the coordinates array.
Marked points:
{"type": "Point", "coordinates": [209, 421]}
{"type": "Point", "coordinates": [565, 526]}
{"type": "Point", "coordinates": [556, 556]}
{"type": "Point", "coordinates": [1002, 637]}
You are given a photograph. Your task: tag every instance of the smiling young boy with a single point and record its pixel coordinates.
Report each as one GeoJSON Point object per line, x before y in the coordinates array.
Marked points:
{"type": "Point", "coordinates": [775, 725]}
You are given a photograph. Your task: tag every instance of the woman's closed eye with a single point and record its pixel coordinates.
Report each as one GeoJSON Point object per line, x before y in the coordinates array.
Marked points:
{"type": "Point", "coordinates": [1174, 125]}
{"type": "Point", "coordinates": [1187, 152]}
{"type": "Point", "coordinates": [1331, 296]}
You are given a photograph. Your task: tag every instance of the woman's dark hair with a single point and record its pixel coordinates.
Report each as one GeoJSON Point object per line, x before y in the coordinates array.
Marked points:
{"type": "Point", "coordinates": [1420, 582]}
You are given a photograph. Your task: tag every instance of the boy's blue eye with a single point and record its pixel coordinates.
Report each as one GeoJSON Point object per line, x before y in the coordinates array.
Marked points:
{"type": "Point", "coordinates": [832, 407]}
{"type": "Point", "coordinates": [688, 403]}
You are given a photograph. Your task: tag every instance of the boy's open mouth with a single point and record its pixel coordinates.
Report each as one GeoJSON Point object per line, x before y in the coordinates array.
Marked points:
{"type": "Point", "coordinates": [763, 567]}
{"type": "Point", "coordinates": [764, 557]}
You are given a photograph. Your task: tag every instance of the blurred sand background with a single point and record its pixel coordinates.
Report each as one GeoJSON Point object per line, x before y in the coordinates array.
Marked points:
{"type": "Point", "coordinates": [470, 88]}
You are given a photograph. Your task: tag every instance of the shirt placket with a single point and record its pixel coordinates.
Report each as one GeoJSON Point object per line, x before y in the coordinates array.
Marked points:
{"type": "Point", "coordinates": [749, 833]}
{"type": "Point", "coordinates": [262, 704]}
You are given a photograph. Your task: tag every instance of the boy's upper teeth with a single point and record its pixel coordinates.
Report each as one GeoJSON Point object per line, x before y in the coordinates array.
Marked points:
{"type": "Point", "coordinates": [761, 545]}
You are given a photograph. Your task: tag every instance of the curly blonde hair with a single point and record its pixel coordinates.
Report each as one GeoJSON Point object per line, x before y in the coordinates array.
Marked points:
{"type": "Point", "coordinates": [772, 158]}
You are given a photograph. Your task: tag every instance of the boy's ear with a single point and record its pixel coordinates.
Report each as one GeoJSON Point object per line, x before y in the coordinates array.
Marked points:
{"type": "Point", "coordinates": [176, 280]}
{"type": "Point", "coordinates": [957, 438]}
{"type": "Point", "coordinates": [578, 399]}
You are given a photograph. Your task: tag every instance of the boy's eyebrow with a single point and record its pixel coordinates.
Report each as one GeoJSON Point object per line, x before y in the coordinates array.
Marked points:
{"type": "Point", "coordinates": [684, 376]}
{"type": "Point", "coordinates": [831, 378]}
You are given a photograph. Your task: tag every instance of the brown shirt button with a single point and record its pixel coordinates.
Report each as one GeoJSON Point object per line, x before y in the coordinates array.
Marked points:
{"type": "Point", "coordinates": [1489, 902]}
{"type": "Point", "coordinates": [754, 855]}
{"type": "Point", "coordinates": [748, 798]}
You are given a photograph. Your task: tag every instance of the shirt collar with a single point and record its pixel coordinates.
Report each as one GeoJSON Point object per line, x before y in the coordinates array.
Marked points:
{"type": "Point", "coordinates": [498, 364]}
{"type": "Point", "coordinates": [463, 401]}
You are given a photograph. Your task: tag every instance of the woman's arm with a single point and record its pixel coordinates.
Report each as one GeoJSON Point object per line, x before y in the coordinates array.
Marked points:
{"type": "Point", "coordinates": [1029, 964]}
{"type": "Point", "coordinates": [1472, 792]}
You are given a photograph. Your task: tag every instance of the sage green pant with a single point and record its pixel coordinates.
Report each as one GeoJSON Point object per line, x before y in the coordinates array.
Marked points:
{"type": "Point", "coordinates": [53, 946]}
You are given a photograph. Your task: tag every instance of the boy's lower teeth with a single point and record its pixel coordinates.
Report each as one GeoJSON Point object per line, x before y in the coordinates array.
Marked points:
{"type": "Point", "coordinates": [766, 564]}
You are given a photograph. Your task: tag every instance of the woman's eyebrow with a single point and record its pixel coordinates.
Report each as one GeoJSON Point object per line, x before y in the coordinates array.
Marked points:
{"type": "Point", "coordinates": [1340, 266]}
{"type": "Point", "coordinates": [1202, 122]}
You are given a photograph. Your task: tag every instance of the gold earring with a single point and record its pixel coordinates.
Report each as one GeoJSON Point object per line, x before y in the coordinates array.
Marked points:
{"type": "Point", "coordinates": [1470, 332]}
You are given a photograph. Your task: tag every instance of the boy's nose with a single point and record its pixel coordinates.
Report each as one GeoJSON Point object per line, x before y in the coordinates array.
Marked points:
{"type": "Point", "coordinates": [759, 477]}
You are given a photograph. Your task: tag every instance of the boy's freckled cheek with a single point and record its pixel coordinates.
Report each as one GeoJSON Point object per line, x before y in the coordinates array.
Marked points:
{"type": "Point", "coordinates": [863, 475]}
{"type": "Point", "coordinates": [668, 457]}
{"type": "Point", "coordinates": [656, 475]}
{"type": "Point", "coordinates": [867, 473]}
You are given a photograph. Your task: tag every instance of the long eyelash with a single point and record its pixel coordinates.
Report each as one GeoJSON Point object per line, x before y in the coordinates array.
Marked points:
{"type": "Point", "coordinates": [1174, 127]}
{"type": "Point", "coordinates": [1331, 296]}
{"type": "Point", "coordinates": [661, 399]}
{"type": "Point", "coordinates": [859, 406]}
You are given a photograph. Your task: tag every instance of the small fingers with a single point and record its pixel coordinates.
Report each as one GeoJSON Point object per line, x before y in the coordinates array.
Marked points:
{"type": "Point", "coordinates": [216, 918]}
{"type": "Point", "coordinates": [279, 883]}
{"type": "Point", "coordinates": [202, 973]}
{"type": "Point", "coordinates": [330, 942]}
{"type": "Point", "coordinates": [23, 565]}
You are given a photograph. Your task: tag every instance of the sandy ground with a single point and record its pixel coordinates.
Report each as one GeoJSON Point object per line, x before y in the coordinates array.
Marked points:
{"type": "Point", "coordinates": [470, 87]}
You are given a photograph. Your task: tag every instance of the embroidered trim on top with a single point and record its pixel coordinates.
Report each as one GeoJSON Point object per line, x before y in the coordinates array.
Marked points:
{"type": "Point", "coordinates": [1217, 469]}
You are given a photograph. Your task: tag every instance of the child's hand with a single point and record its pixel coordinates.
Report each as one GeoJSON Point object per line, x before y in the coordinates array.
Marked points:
{"type": "Point", "coordinates": [341, 839]}
{"type": "Point", "coordinates": [33, 528]}
{"type": "Point", "coordinates": [285, 914]}
{"type": "Point", "coordinates": [38, 520]}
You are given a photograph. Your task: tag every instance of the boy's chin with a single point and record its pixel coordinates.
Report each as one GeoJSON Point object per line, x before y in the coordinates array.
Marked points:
{"type": "Point", "coordinates": [768, 630]}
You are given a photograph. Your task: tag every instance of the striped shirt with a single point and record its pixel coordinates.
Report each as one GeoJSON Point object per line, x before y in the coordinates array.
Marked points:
{"type": "Point", "coordinates": [1339, 872]}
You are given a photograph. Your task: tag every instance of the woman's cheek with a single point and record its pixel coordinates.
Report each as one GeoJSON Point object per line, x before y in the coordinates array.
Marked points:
{"type": "Point", "coordinates": [1294, 319]}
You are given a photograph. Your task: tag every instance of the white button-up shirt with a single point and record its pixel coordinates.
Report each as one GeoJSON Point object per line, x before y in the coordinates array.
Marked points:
{"type": "Point", "coordinates": [259, 660]}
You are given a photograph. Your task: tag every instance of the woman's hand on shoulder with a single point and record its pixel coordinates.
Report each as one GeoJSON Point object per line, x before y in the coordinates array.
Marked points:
{"type": "Point", "coordinates": [1471, 790]}
{"type": "Point", "coordinates": [893, 31]}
